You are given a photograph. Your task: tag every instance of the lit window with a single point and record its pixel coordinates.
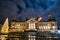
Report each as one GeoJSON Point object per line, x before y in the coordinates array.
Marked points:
{"type": "Point", "coordinates": [48, 27]}
{"type": "Point", "coordinates": [39, 27]}
{"type": "Point", "coordinates": [44, 27]}
{"type": "Point", "coordinates": [31, 25]}
{"type": "Point", "coordinates": [53, 27]}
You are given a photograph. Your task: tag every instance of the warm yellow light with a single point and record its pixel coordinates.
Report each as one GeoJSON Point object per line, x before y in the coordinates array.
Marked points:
{"type": "Point", "coordinates": [32, 26]}
{"type": "Point", "coordinates": [48, 27]}
{"type": "Point", "coordinates": [53, 27]}
{"type": "Point", "coordinates": [5, 26]}
{"type": "Point", "coordinates": [44, 27]}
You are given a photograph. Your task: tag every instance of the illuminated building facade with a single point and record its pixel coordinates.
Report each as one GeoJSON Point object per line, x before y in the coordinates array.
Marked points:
{"type": "Point", "coordinates": [27, 30]}
{"type": "Point", "coordinates": [33, 25]}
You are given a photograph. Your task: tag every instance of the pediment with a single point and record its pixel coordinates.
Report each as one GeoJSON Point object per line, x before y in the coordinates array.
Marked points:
{"type": "Point", "coordinates": [32, 20]}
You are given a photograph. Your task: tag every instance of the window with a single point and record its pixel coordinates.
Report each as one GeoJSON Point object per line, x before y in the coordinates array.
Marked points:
{"type": "Point", "coordinates": [31, 25]}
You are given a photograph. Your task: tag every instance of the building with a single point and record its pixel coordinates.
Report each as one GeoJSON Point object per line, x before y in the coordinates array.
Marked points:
{"type": "Point", "coordinates": [32, 24]}
{"type": "Point", "coordinates": [26, 29]}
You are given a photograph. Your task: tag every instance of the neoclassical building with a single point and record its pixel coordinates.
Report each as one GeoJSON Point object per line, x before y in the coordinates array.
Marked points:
{"type": "Point", "coordinates": [18, 30]}
{"type": "Point", "coordinates": [32, 24]}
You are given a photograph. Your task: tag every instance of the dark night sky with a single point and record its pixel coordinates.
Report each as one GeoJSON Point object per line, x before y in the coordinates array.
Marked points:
{"type": "Point", "coordinates": [29, 8]}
